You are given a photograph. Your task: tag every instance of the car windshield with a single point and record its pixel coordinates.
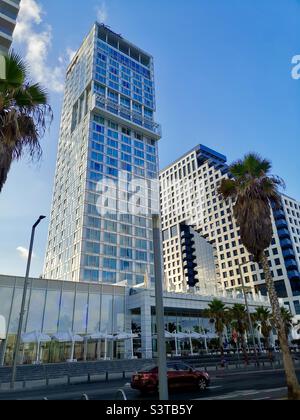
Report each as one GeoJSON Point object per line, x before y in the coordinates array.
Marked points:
{"type": "Point", "coordinates": [150, 368]}
{"type": "Point", "coordinates": [182, 366]}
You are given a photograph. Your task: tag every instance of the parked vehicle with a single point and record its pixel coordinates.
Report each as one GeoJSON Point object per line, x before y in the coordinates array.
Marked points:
{"type": "Point", "coordinates": [180, 376]}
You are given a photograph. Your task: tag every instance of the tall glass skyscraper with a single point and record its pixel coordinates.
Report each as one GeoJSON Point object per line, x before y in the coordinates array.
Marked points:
{"type": "Point", "coordinates": [9, 10]}
{"type": "Point", "coordinates": [106, 182]}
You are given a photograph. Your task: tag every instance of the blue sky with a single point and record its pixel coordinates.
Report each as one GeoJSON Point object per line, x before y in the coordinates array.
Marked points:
{"type": "Point", "coordinates": [223, 78]}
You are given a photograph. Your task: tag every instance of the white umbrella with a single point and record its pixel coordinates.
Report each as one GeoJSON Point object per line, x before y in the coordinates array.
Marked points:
{"type": "Point", "coordinates": [68, 337]}
{"type": "Point", "coordinates": [182, 336]}
{"type": "Point", "coordinates": [99, 336]}
{"type": "Point", "coordinates": [127, 336]}
{"type": "Point", "coordinates": [169, 335]}
{"type": "Point", "coordinates": [37, 338]}
{"type": "Point", "coordinates": [198, 336]}
{"type": "Point", "coordinates": [211, 336]}
{"type": "Point", "coordinates": [106, 337]}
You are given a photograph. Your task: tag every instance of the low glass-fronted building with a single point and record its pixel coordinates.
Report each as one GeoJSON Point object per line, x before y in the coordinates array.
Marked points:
{"type": "Point", "coordinates": [56, 306]}
{"type": "Point", "coordinates": [85, 309]}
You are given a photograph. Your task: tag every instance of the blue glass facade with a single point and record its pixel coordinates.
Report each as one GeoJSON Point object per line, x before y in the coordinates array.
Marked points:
{"type": "Point", "coordinates": [116, 165]}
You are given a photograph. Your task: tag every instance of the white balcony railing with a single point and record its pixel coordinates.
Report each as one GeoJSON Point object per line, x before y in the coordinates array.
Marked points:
{"type": "Point", "coordinates": [106, 104]}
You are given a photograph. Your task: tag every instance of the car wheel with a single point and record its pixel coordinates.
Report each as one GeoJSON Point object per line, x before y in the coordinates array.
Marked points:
{"type": "Point", "coordinates": [202, 384]}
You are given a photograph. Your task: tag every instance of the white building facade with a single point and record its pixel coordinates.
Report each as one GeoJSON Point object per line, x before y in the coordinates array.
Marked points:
{"type": "Point", "coordinates": [106, 183]}
{"type": "Point", "coordinates": [188, 193]}
{"type": "Point", "coordinates": [9, 10]}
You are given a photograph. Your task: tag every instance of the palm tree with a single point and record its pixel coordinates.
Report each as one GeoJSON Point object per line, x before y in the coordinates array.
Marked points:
{"type": "Point", "coordinates": [218, 312]}
{"type": "Point", "coordinates": [253, 191]}
{"type": "Point", "coordinates": [264, 317]}
{"type": "Point", "coordinates": [24, 115]}
{"type": "Point", "coordinates": [287, 318]}
{"type": "Point", "coordinates": [239, 321]}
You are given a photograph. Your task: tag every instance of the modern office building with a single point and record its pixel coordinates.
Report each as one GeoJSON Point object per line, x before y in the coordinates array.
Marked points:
{"type": "Point", "coordinates": [106, 182]}
{"type": "Point", "coordinates": [55, 307]}
{"type": "Point", "coordinates": [9, 10]}
{"type": "Point", "coordinates": [189, 195]}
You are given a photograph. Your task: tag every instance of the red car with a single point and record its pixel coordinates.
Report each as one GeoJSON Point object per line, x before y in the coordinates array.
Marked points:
{"type": "Point", "coordinates": [180, 376]}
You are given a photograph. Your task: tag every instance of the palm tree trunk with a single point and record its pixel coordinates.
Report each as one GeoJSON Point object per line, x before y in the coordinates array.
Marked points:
{"type": "Point", "coordinates": [292, 381]}
{"type": "Point", "coordinates": [268, 347]}
{"type": "Point", "coordinates": [244, 348]}
{"type": "Point", "coordinates": [221, 343]}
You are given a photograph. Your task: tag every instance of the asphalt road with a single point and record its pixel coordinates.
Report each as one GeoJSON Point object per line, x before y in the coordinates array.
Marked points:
{"type": "Point", "coordinates": [262, 385]}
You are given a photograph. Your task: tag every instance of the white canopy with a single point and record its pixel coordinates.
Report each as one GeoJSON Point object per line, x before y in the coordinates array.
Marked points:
{"type": "Point", "coordinates": [35, 337]}
{"type": "Point", "coordinates": [182, 336]}
{"type": "Point", "coordinates": [169, 335]}
{"type": "Point", "coordinates": [100, 336]}
{"type": "Point", "coordinates": [198, 336]}
{"type": "Point", "coordinates": [67, 337]}
{"type": "Point", "coordinates": [126, 336]}
{"type": "Point", "coordinates": [211, 336]}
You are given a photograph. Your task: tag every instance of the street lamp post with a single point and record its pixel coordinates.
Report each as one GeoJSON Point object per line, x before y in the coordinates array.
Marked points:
{"type": "Point", "coordinates": [22, 313]}
{"type": "Point", "coordinates": [248, 310]}
{"type": "Point", "coordinates": [160, 313]}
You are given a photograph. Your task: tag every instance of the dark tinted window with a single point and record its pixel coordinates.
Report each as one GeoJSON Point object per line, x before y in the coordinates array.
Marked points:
{"type": "Point", "coordinates": [182, 366]}
{"type": "Point", "coordinates": [171, 367]}
{"type": "Point", "coordinates": [151, 368]}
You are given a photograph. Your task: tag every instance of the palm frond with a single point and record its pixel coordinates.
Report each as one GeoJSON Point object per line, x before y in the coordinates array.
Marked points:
{"type": "Point", "coordinates": [16, 71]}
{"type": "Point", "coordinates": [228, 188]}
{"type": "Point", "coordinates": [24, 116]}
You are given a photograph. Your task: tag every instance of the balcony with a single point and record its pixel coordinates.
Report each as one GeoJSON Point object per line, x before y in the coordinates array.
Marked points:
{"type": "Point", "coordinates": [129, 117]}
{"type": "Point", "coordinates": [279, 214]}
{"type": "Point", "coordinates": [286, 243]}
{"type": "Point", "coordinates": [189, 265]}
{"type": "Point", "coordinates": [12, 4]}
{"type": "Point", "coordinates": [284, 234]}
{"type": "Point", "coordinates": [289, 253]}
{"type": "Point", "coordinates": [281, 224]}
{"type": "Point", "coordinates": [294, 275]}
{"type": "Point", "coordinates": [291, 264]}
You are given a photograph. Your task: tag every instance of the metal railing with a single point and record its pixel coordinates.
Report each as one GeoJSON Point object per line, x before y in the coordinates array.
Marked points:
{"type": "Point", "coordinates": [110, 106]}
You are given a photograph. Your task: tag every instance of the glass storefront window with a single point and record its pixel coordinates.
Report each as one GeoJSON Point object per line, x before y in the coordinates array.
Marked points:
{"type": "Point", "coordinates": [5, 301]}
{"type": "Point", "coordinates": [81, 313]}
{"type": "Point", "coordinates": [66, 311]}
{"type": "Point", "coordinates": [119, 314]}
{"type": "Point", "coordinates": [107, 314]}
{"type": "Point", "coordinates": [36, 310]}
{"type": "Point", "coordinates": [94, 313]}
{"type": "Point", "coordinates": [16, 308]}
{"type": "Point", "coordinates": [51, 312]}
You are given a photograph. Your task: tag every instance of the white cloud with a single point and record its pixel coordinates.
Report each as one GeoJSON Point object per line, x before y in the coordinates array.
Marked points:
{"type": "Point", "coordinates": [23, 252]}
{"type": "Point", "coordinates": [102, 13]}
{"type": "Point", "coordinates": [35, 36]}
